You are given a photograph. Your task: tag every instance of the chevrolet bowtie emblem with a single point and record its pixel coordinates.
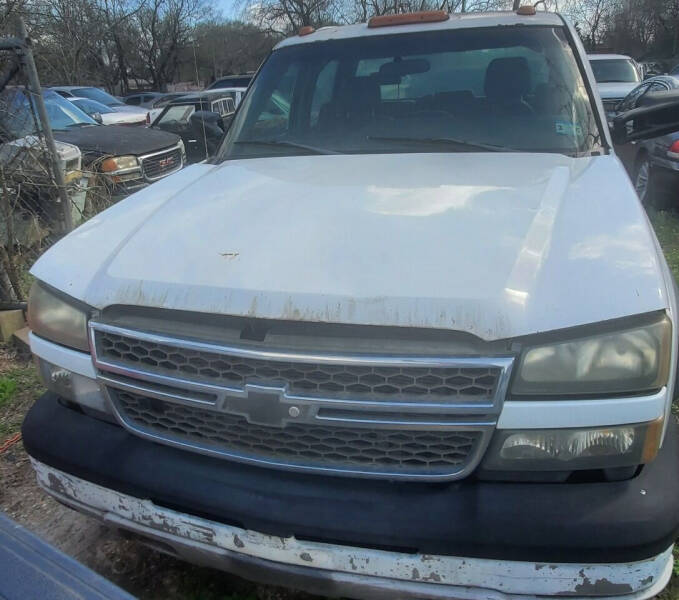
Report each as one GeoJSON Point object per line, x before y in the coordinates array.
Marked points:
{"type": "Point", "coordinates": [263, 405]}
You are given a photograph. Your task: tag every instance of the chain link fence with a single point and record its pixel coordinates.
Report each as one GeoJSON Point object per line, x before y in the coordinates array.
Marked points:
{"type": "Point", "coordinates": [44, 189]}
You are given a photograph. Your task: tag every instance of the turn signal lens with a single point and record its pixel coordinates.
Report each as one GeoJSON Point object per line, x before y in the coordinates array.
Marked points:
{"type": "Point", "coordinates": [526, 11]}
{"type": "Point", "coordinates": [673, 152]}
{"type": "Point", "coordinates": [424, 16]}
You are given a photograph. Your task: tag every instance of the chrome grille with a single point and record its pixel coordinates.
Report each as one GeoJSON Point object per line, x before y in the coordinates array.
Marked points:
{"type": "Point", "coordinates": [160, 164]}
{"type": "Point", "coordinates": [403, 416]}
{"type": "Point", "coordinates": [302, 377]}
{"type": "Point", "coordinates": [428, 453]}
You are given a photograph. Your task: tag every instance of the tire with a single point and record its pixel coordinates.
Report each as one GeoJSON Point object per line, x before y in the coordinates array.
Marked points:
{"type": "Point", "coordinates": [647, 186]}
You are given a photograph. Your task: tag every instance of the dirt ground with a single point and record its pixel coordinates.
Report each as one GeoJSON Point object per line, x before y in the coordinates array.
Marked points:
{"type": "Point", "coordinates": [146, 573]}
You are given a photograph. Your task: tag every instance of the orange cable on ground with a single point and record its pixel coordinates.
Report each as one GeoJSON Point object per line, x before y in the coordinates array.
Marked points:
{"type": "Point", "coordinates": [9, 442]}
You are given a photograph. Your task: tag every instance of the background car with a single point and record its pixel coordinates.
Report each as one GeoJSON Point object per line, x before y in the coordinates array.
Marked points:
{"type": "Point", "coordinates": [239, 81]}
{"type": "Point", "coordinates": [160, 103]}
{"type": "Point", "coordinates": [616, 76]}
{"type": "Point", "coordinates": [143, 99]}
{"type": "Point", "coordinates": [99, 95]}
{"type": "Point", "coordinates": [236, 93]}
{"type": "Point", "coordinates": [200, 119]}
{"type": "Point", "coordinates": [105, 114]}
{"type": "Point", "coordinates": [653, 164]}
{"type": "Point", "coordinates": [126, 158]}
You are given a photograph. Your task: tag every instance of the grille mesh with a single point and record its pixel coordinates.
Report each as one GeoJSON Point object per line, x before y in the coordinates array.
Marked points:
{"type": "Point", "coordinates": [348, 448]}
{"type": "Point", "coordinates": [161, 164]}
{"type": "Point", "coordinates": [430, 383]}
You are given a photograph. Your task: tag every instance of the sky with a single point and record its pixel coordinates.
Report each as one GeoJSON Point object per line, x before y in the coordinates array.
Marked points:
{"type": "Point", "coordinates": [228, 8]}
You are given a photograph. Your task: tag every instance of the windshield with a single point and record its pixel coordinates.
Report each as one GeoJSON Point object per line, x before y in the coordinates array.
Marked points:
{"type": "Point", "coordinates": [98, 95]}
{"type": "Point", "coordinates": [614, 70]}
{"type": "Point", "coordinates": [486, 89]}
{"type": "Point", "coordinates": [92, 106]}
{"type": "Point", "coordinates": [17, 118]}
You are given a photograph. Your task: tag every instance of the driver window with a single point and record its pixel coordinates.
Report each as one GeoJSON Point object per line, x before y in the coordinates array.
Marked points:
{"type": "Point", "coordinates": [274, 119]}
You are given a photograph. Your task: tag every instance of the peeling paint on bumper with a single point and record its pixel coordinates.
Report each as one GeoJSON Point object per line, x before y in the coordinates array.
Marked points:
{"type": "Point", "coordinates": [358, 572]}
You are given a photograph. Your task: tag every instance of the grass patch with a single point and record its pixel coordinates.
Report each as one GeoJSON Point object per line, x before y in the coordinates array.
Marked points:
{"type": "Point", "coordinates": [7, 388]}
{"type": "Point", "coordinates": [19, 388]}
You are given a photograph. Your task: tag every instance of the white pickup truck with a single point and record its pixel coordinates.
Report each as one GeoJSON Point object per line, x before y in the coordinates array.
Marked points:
{"type": "Point", "coordinates": [409, 334]}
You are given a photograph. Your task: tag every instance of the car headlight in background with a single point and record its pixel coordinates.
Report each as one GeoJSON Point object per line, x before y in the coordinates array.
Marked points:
{"type": "Point", "coordinates": [633, 360]}
{"type": "Point", "coordinates": [183, 150]}
{"type": "Point", "coordinates": [57, 318]}
{"type": "Point", "coordinates": [119, 163]}
{"type": "Point", "coordinates": [121, 168]}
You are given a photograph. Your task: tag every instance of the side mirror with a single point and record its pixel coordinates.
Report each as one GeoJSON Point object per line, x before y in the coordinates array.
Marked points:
{"type": "Point", "coordinates": [97, 117]}
{"type": "Point", "coordinates": [658, 115]}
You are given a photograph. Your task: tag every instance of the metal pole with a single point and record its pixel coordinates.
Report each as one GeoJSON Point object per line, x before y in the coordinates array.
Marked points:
{"type": "Point", "coordinates": [36, 91]}
{"type": "Point", "coordinates": [517, 3]}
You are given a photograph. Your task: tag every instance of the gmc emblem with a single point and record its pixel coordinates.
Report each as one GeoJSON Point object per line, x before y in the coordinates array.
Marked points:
{"type": "Point", "coordinates": [166, 162]}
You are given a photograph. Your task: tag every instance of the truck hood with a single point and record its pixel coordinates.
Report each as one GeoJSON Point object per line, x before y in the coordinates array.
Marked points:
{"type": "Point", "coordinates": [615, 90]}
{"type": "Point", "coordinates": [496, 245]}
{"type": "Point", "coordinates": [117, 140]}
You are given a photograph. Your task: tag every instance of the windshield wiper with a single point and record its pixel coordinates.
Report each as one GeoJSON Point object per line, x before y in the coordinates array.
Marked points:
{"type": "Point", "coordinates": [79, 125]}
{"type": "Point", "coordinates": [446, 141]}
{"type": "Point", "coordinates": [306, 147]}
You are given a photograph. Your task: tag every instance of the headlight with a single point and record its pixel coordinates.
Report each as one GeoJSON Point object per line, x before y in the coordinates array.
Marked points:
{"type": "Point", "coordinates": [57, 318]}
{"type": "Point", "coordinates": [119, 163]}
{"type": "Point", "coordinates": [633, 360]}
{"type": "Point", "coordinates": [183, 149]}
{"type": "Point", "coordinates": [572, 449]}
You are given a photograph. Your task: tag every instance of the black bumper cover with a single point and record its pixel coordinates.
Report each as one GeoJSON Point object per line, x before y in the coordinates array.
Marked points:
{"type": "Point", "coordinates": [585, 522]}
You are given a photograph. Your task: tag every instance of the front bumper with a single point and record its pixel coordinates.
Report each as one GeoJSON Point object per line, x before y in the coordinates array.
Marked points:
{"type": "Point", "coordinates": [335, 570]}
{"type": "Point", "coordinates": [464, 539]}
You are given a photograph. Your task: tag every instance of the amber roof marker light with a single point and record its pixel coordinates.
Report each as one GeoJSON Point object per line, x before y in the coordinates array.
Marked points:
{"type": "Point", "coordinates": [306, 30]}
{"type": "Point", "coordinates": [526, 10]}
{"type": "Point", "coordinates": [424, 16]}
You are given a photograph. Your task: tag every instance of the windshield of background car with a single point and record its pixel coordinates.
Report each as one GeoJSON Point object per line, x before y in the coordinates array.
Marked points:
{"type": "Point", "coordinates": [18, 114]}
{"type": "Point", "coordinates": [98, 95]}
{"type": "Point", "coordinates": [499, 88]}
{"type": "Point", "coordinates": [92, 106]}
{"type": "Point", "coordinates": [175, 116]}
{"type": "Point", "coordinates": [614, 70]}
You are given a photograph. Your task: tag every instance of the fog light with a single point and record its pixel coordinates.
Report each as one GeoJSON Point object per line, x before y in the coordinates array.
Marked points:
{"type": "Point", "coordinates": [72, 386]}
{"type": "Point", "coordinates": [570, 449]}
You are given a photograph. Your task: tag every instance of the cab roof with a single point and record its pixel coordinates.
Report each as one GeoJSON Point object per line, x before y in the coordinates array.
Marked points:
{"type": "Point", "coordinates": [456, 21]}
{"type": "Point", "coordinates": [608, 57]}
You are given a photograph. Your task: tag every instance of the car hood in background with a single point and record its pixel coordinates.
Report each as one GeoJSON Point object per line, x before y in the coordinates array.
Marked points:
{"type": "Point", "coordinates": [126, 108]}
{"type": "Point", "coordinates": [117, 140]}
{"type": "Point", "coordinates": [119, 118]}
{"type": "Point", "coordinates": [494, 244]}
{"type": "Point", "coordinates": [616, 90]}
